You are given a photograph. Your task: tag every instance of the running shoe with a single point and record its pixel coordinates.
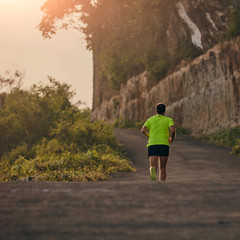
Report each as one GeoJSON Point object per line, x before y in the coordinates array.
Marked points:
{"type": "Point", "coordinates": [153, 174]}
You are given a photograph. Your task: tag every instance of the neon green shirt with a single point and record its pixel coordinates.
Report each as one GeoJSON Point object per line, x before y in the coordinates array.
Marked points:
{"type": "Point", "coordinates": [158, 127]}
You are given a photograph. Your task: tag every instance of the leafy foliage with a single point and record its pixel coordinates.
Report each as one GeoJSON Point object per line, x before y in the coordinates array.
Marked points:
{"type": "Point", "coordinates": [182, 131]}
{"type": "Point", "coordinates": [236, 147]}
{"type": "Point", "coordinates": [44, 136]}
{"type": "Point", "coordinates": [127, 36]}
{"type": "Point", "coordinates": [228, 137]}
{"type": "Point", "coordinates": [127, 123]}
{"type": "Point", "coordinates": [124, 123]}
{"type": "Point", "coordinates": [11, 79]}
{"type": "Point", "coordinates": [234, 23]}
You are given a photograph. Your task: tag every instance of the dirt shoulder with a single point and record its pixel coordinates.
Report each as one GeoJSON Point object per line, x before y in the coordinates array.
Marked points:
{"type": "Point", "coordinates": [199, 200]}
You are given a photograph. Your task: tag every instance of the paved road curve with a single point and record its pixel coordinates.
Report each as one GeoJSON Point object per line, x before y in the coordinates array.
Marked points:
{"type": "Point", "coordinates": [199, 200]}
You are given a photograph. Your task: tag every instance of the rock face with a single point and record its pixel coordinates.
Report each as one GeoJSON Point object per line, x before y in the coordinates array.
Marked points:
{"type": "Point", "coordinates": [203, 96]}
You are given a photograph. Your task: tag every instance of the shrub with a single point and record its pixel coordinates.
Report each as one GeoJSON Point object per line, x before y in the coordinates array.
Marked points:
{"type": "Point", "coordinates": [182, 131]}
{"type": "Point", "coordinates": [56, 141]}
{"type": "Point", "coordinates": [228, 137]}
{"type": "Point", "coordinates": [236, 147]}
{"type": "Point", "coordinates": [124, 123]}
{"type": "Point", "coordinates": [234, 22]}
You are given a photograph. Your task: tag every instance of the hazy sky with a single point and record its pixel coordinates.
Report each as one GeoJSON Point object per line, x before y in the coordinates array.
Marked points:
{"type": "Point", "coordinates": [64, 57]}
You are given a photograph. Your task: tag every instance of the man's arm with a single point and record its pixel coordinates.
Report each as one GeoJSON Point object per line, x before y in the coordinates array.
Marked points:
{"type": "Point", "coordinates": [172, 134]}
{"type": "Point", "coordinates": [144, 131]}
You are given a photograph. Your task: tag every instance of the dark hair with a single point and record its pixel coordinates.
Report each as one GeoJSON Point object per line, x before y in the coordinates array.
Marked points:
{"type": "Point", "coordinates": [161, 108]}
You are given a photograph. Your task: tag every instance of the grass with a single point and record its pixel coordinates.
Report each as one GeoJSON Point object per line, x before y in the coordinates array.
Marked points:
{"type": "Point", "coordinates": [127, 123]}
{"type": "Point", "coordinates": [228, 137]}
{"type": "Point", "coordinates": [182, 131]}
{"type": "Point", "coordinates": [55, 162]}
{"type": "Point", "coordinates": [46, 138]}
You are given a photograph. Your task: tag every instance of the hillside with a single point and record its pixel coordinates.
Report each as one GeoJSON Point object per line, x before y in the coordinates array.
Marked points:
{"type": "Point", "coordinates": [164, 43]}
{"type": "Point", "coordinates": [203, 96]}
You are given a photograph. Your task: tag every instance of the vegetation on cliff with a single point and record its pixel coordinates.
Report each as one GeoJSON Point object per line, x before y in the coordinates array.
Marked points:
{"type": "Point", "coordinates": [128, 36]}
{"type": "Point", "coordinates": [234, 23]}
{"type": "Point", "coordinates": [44, 136]}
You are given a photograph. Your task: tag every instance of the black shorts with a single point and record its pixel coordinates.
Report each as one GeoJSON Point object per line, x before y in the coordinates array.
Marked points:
{"type": "Point", "coordinates": [158, 150]}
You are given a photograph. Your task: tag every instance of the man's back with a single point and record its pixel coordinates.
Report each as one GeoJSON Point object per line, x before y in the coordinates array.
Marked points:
{"type": "Point", "coordinates": [158, 127]}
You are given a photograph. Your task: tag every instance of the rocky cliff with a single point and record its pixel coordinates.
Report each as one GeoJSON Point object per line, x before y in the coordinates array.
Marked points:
{"type": "Point", "coordinates": [202, 96]}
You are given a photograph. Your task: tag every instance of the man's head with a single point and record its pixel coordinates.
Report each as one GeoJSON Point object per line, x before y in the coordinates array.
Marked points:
{"type": "Point", "coordinates": [161, 108]}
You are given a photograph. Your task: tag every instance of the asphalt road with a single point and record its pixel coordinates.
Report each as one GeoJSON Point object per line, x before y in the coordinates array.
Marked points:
{"type": "Point", "coordinates": [199, 200]}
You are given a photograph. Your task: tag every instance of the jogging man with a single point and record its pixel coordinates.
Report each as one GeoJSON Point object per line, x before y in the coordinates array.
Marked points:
{"type": "Point", "coordinates": [157, 128]}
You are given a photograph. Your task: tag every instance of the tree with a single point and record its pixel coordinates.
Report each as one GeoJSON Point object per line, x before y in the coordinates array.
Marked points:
{"type": "Point", "coordinates": [44, 136]}
{"type": "Point", "coordinates": [122, 34]}
{"type": "Point", "coordinates": [28, 116]}
{"type": "Point", "coordinates": [11, 79]}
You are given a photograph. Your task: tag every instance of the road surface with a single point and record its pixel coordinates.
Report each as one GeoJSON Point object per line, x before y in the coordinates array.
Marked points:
{"type": "Point", "coordinates": [199, 200]}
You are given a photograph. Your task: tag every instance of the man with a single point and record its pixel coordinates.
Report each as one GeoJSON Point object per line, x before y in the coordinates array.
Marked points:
{"type": "Point", "coordinates": [157, 128]}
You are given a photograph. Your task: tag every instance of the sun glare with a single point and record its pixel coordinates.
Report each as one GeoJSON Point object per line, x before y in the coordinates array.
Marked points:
{"type": "Point", "coordinates": [8, 2]}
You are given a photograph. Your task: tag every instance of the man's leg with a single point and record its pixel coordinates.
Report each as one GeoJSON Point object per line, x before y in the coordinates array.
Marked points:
{"type": "Point", "coordinates": [163, 166]}
{"type": "Point", "coordinates": [153, 167]}
{"type": "Point", "coordinates": [153, 161]}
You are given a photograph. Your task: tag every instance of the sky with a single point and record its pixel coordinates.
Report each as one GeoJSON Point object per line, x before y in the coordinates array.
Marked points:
{"type": "Point", "coordinates": [63, 57]}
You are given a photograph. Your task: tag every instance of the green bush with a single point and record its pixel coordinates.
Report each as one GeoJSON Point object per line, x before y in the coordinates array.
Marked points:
{"type": "Point", "coordinates": [182, 131]}
{"type": "Point", "coordinates": [75, 165]}
{"type": "Point", "coordinates": [127, 123]}
{"type": "Point", "coordinates": [124, 123]}
{"type": "Point", "coordinates": [228, 137]}
{"type": "Point", "coordinates": [234, 22]}
{"type": "Point", "coordinates": [139, 124]}
{"type": "Point", "coordinates": [185, 51]}
{"type": "Point", "coordinates": [46, 138]}
{"type": "Point", "coordinates": [236, 147]}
